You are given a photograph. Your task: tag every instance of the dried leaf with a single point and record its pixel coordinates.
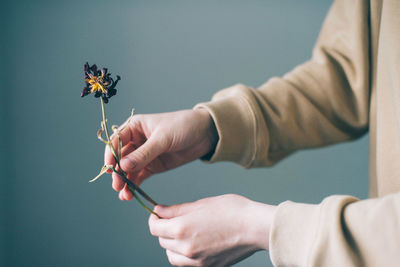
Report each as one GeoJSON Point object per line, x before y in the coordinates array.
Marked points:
{"type": "Point", "coordinates": [102, 171]}
{"type": "Point", "coordinates": [119, 146]}
{"type": "Point", "coordinates": [128, 120]}
{"type": "Point", "coordinates": [100, 134]}
{"type": "Point", "coordinates": [116, 132]}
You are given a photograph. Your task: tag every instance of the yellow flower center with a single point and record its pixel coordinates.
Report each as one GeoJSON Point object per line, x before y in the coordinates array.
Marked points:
{"type": "Point", "coordinates": [96, 83]}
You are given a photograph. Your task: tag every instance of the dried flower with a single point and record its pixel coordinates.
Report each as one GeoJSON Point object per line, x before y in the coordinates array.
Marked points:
{"type": "Point", "coordinates": [99, 82]}
{"type": "Point", "coordinates": [102, 85]}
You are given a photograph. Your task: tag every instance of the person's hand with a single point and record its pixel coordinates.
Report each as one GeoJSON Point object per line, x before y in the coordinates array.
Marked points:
{"type": "Point", "coordinates": [216, 231]}
{"type": "Point", "coordinates": [158, 142]}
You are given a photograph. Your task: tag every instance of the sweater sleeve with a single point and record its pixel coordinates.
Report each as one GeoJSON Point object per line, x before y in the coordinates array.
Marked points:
{"type": "Point", "coordinates": [341, 231]}
{"type": "Point", "coordinates": [321, 102]}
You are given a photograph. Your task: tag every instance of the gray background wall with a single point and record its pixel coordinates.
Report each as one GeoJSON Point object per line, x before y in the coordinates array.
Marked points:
{"type": "Point", "coordinates": [171, 55]}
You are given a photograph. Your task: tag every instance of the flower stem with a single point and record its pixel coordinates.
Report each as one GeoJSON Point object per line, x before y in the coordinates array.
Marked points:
{"type": "Point", "coordinates": [141, 202]}
{"type": "Point", "coordinates": [132, 186]}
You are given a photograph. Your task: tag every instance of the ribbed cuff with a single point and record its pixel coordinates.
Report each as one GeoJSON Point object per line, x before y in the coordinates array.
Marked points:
{"type": "Point", "coordinates": [292, 233]}
{"type": "Point", "coordinates": [305, 234]}
{"type": "Point", "coordinates": [236, 126]}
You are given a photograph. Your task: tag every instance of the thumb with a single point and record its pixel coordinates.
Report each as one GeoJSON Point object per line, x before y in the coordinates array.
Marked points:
{"type": "Point", "coordinates": [169, 212]}
{"type": "Point", "coordinates": [143, 155]}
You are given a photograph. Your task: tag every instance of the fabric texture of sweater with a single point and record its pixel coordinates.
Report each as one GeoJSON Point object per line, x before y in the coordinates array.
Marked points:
{"type": "Point", "coordinates": [350, 86]}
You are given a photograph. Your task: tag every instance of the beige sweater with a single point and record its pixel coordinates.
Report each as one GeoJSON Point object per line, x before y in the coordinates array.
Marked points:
{"type": "Point", "coordinates": [351, 85]}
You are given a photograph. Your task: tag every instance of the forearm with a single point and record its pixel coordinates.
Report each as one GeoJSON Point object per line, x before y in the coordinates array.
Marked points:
{"type": "Point", "coordinates": [322, 102]}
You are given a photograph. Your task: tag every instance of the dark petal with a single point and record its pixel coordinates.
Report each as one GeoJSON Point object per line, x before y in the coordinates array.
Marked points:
{"type": "Point", "coordinates": [85, 92]}
{"type": "Point", "coordinates": [105, 71]}
{"type": "Point", "coordinates": [86, 67]}
{"type": "Point", "coordinates": [114, 83]}
{"type": "Point", "coordinates": [111, 92]}
{"type": "Point", "coordinates": [93, 69]}
{"type": "Point", "coordinates": [107, 79]}
{"type": "Point", "coordinates": [105, 99]}
{"type": "Point", "coordinates": [97, 94]}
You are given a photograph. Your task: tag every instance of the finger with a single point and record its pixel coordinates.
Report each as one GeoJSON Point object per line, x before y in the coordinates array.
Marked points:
{"type": "Point", "coordinates": [173, 245]}
{"type": "Point", "coordinates": [144, 154]}
{"type": "Point", "coordinates": [168, 212]}
{"type": "Point", "coordinates": [128, 148]}
{"type": "Point", "coordinates": [117, 183]}
{"type": "Point", "coordinates": [127, 193]}
{"type": "Point", "coordinates": [180, 260]}
{"type": "Point", "coordinates": [141, 176]}
{"type": "Point", "coordinates": [165, 228]}
{"type": "Point", "coordinates": [133, 176]}
{"type": "Point", "coordinates": [125, 136]}
{"type": "Point", "coordinates": [121, 195]}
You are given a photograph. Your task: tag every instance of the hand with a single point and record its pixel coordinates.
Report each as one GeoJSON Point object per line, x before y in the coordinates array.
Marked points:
{"type": "Point", "coordinates": [216, 231]}
{"type": "Point", "coordinates": [158, 142]}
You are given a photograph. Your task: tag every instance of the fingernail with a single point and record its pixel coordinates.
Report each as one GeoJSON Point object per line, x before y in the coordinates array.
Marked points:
{"type": "Point", "coordinates": [128, 164]}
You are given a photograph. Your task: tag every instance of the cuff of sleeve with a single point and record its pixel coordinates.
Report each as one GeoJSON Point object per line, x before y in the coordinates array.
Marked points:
{"type": "Point", "coordinates": [236, 125]}
{"type": "Point", "coordinates": [300, 232]}
{"type": "Point", "coordinates": [292, 233]}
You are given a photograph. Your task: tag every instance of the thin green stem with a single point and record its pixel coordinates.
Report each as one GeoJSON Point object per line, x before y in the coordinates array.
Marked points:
{"type": "Point", "coordinates": [135, 187]}
{"type": "Point", "coordinates": [132, 186]}
{"type": "Point", "coordinates": [141, 202]}
{"type": "Point", "coordinates": [103, 113]}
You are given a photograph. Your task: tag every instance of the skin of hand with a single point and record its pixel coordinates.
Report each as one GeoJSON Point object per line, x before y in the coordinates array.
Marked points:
{"type": "Point", "coordinates": [215, 231]}
{"type": "Point", "coordinates": [158, 142]}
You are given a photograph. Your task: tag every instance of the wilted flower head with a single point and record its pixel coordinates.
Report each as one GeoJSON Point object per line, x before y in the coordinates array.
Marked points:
{"type": "Point", "coordinates": [99, 82]}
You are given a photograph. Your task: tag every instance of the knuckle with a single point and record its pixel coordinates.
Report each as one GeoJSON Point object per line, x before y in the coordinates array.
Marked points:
{"type": "Point", "coordinates": [189, 251]}
{"type": "Point", "coordinates": [152, 227]}
{"type": "Point", "coordinates": [180, 231]}
{"type": "Point", "coordinates": [128, 163]}
{"type": "Point", "coordinates": [161, 242]}
{"type": "Point", "coordinates": [163, 140]}
{"type": "Point", "coordinates": [142, 155]}
{"type": "Point", "coordinates": [172, 259]}
{"type": "Point", "coordinates": [230, 195]}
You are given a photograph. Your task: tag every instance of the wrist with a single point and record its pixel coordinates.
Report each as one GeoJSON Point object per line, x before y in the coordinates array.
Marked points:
{"type": "Point", "coordinates": [260, 218]}
{"type": "Point", "coordinates": [211, 132]}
